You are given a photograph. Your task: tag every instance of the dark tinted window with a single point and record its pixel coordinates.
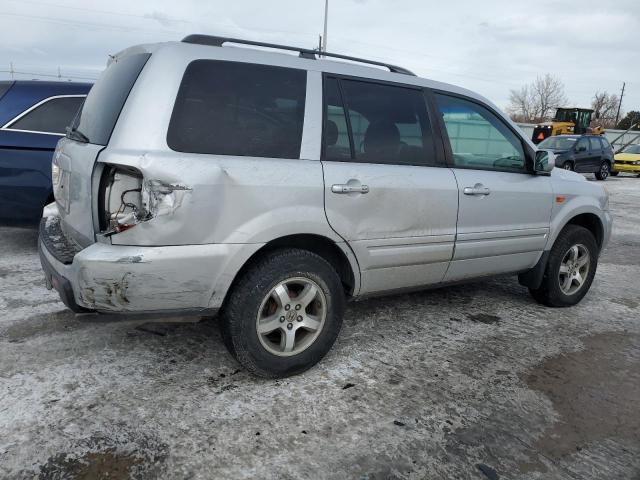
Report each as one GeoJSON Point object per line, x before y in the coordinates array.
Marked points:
{"type": "Point", "coordinates": [478, 138]}
{"type": "Point", "coordinates": [389, 124]}
{"type": "Point", "coordinates": [336, 132]}
{"type": "Point", "coordinates": [230, 108]}
{"type": "Point", "coordinates": [595, 143]}
{"type": "Point", "coordinates": [4, 86]}
{"type": "Point", "coordinates": [53, 116]}
{"type": "Point", "coordinates": [104, 103]}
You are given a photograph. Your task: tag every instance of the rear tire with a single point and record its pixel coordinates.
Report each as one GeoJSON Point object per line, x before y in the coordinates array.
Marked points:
{"type": "Point", "coordinates": [567, 166]}
{"type": "Point", "coordinates": [604, 171]}
{"type": "Point", "coordinates": [560, 289]}
{"type": "Point", "coordinates": [284, 314]}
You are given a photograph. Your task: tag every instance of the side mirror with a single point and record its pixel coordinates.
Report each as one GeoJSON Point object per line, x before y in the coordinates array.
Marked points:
{"type": "Point", "coordinates": [545, 161]}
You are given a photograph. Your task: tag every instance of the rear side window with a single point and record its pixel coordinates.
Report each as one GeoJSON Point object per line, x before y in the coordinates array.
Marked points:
{"type": "Point", "coordinates": [241, 109]}
{"type": "Point", "coordinates": [595, 143]}
{"type": "Point", "coordinates": [104, 103]}
{"type": "Point", "coordinates": [478, 138]}
{"type": "Point", "coordinates": [387, 123]}
{"type": "Point", "coordinates": [52, 116]}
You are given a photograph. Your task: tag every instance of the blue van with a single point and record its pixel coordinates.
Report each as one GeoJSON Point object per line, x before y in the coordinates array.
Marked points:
{"type": "Point", "coordinates": [33, 117]}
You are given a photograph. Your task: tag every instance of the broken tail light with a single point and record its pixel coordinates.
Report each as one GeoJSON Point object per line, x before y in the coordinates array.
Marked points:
{"type": "Point", "coordinates": [121, 204]}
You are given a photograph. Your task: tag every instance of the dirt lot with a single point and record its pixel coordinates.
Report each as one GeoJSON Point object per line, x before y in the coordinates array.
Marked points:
{"type": "Point", "coordinates": [474, 381]}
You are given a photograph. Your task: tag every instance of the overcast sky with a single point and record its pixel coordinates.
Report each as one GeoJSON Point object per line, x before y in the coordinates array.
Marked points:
{"type": "Point", "coordinates": [487, 46]}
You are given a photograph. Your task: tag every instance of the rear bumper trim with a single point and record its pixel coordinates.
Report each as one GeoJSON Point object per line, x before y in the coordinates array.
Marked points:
{"type": "Point", "coordinates": [54, 280]}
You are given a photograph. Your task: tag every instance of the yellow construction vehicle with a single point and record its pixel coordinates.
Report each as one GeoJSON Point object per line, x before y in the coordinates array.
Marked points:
{"type": "Point", "coordinates": [567, 121]}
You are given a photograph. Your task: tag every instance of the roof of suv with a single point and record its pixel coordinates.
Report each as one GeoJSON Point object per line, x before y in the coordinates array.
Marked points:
{"type": "Point", "coordinates": [164, 71]}
{"type": "Point", "coordinates": [255, 52]}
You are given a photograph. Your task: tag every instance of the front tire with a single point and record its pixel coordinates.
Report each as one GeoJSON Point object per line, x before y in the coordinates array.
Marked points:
{"type": "Point", "coordinates": [284, 314]}
{"type": "Point", "coordinates": [570, 269]}
{"type": "Point", "coordinates": [567, 166]}
{"type": "Point", "coordinates": [604, 171]}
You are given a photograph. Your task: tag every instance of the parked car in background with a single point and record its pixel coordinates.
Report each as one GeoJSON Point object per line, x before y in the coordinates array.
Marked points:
{"type": "Point", "coordinates": [275, 187]}
{"type": "Point", "coordinates": [627, 161]}
{"type": "Point", "coordinates": [581, 153]}
{"type": "Point", "coordinates": [33, 117]}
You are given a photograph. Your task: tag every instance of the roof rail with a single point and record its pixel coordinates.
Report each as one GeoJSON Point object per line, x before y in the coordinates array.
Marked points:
{"type": "Point", "coordinates": [304, 52]}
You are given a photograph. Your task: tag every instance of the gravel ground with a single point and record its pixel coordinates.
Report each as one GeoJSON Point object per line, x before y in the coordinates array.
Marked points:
{"type": "Point", "coordinates": [474, 381]}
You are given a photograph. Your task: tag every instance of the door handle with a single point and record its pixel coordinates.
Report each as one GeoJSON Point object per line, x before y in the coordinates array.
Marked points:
{"type": "Point", "coordinates": [342, 188]}
{"type": "Point", "coordinates": [477, 189]}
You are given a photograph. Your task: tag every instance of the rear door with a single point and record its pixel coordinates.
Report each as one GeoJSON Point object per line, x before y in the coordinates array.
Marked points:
{"type": "Point", "coordinates": [387, 191]}
{"type": "Point", "coordinates": [504, 212]}
{"type": "Point", "coordinates": [92, 130]}
{"type": "Point", "coordinates": [595, 158]}
{"type": "Point", "coordinates": [26, 147]}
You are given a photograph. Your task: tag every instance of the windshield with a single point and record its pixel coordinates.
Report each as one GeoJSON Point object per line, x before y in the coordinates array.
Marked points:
{"type": "Point", "coordinates": [558, 143]}
{"type": "Point", "coordinates": [632, 149]}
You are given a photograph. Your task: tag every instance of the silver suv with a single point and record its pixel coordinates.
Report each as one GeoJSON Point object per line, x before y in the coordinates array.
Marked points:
{"type": "Point", "coordinates": [202, 177]}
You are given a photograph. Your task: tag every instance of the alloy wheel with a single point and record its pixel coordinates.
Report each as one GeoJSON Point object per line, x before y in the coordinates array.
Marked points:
{"type": "Point", "coordinates": [574, 269]}
{"type": "Point", "coordinates": [291, 316]}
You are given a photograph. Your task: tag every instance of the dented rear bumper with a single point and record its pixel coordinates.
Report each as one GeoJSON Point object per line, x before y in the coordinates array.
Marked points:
{"type": "Point", "coordinates": [116, 278]}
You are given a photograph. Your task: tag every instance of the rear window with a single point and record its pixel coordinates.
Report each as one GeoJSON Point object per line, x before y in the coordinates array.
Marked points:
{"type": "Point", "coordinates": [52, 116]}
{"type": "Point", "coordinates": [104, 103]}
{"type": "Point", "coordinates": [231, 108]}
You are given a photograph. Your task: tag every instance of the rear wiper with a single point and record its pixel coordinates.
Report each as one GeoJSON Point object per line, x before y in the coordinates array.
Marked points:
{"type": "Point", "coordinates": [75, 134]}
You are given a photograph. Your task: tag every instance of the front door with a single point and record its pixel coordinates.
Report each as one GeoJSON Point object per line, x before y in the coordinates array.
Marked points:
{"type": "Point", "coordinates": [504, 215]}
{"type": "Point", "coordinates": [583, 162]}
{"type": "Point", "coordinates": [386, 193]}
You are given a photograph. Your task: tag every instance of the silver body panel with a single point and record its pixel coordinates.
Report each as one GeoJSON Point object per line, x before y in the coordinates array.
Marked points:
{"type": "Point", "coordinates": [414, 227]}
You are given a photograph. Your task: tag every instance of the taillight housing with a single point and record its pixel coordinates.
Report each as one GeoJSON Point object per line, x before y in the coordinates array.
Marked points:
{"type": "Point", "coordinates": [120, 199]}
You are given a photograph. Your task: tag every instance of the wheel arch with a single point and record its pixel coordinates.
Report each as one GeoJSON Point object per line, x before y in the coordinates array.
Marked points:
{"type": "Point", "coordinates": [339, 256]}
{"type": "Point", "coordinates": [591, 222]}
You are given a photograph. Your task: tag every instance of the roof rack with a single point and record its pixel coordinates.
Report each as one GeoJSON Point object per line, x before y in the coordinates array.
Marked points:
{"type": "Point", "coordinates": [304, 52]}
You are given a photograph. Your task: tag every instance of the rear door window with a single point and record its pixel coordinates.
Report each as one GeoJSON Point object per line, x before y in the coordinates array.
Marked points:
{"type": "Point", "coordinates": [104, 103]}
{"type": "Point", "coordinates": [388, 123]}
{"type": "Point", "coordinates": [241, 109]}
{"type": "Point", "coordinates": [51, 116]}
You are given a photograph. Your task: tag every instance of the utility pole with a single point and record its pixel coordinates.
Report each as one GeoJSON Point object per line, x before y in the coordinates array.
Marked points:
{"type": "Point", "coordinates": [619, 104]}
{"type": "Point", "coordinates": [326, 15]}
{"type": "Point", "coordinates": [11, 71]}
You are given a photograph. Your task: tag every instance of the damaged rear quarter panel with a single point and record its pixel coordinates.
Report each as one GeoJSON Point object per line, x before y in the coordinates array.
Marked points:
{"type": "Point", "coordinates": [201, 199]}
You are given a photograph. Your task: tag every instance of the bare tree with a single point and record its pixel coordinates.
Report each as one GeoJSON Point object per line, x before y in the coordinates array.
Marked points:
{"type": "Point", "coordinates": [538, 100]}
{"type": "Point", "coordinates": [605, 106]}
